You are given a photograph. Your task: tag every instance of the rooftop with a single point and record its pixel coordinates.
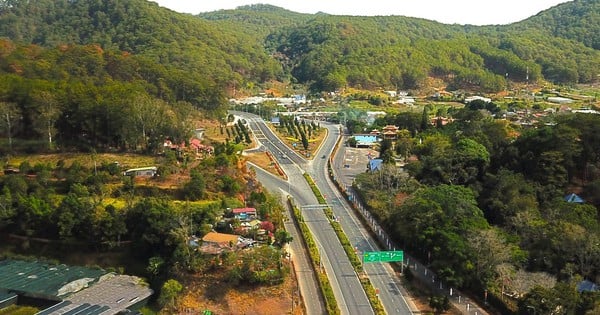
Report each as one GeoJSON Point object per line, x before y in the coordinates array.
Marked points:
{"type": "Point", "coordinates": [76, 290]}
{"type": "Point", "coordinates": [215, 237]}
{"type": "Point", "coordinates": [43, 280]}
{"type": "Point", "coordinates": [116, 292]}
{"type": "Point", "coordinates": [244, 210]}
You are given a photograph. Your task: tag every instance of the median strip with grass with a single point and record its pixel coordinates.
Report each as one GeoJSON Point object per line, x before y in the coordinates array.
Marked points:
{"type": "Point", "coordinates": [315, 257]}
{"type": "Point", "coordinates": [352, 255]}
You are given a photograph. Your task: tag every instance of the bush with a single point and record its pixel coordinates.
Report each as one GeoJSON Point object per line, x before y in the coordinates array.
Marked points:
{"type": "Point", "coordinates": [169, 292]}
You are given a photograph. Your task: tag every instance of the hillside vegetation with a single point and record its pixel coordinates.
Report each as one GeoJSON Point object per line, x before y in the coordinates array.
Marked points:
{"type": "Point", "coordinates": [257, 20]}
{"type": "Point", "coordinates": [237, 49]}
{"type": "Point", "coordinates": [578, 20]}
{"type": "Point", "coordinates": [330, 52]}
{"type": "Point", "coordinates": [212, 56]}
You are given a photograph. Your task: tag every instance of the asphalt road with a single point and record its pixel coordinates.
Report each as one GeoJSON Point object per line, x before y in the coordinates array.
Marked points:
{"type": "Point", "coordinates": [392, 295]}
{"type": "Point", "coordinates": [347, 289]}
{"type": "Point", "coordinates": [349, 162]}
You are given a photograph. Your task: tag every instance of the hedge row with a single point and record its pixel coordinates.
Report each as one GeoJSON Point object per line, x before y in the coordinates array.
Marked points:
{"type": "Point", "coordinates": [352, 256]}
{"type": "Point", "coordinates": [350, 251]}
{"type": "Point", "coordinates": [313, 252]}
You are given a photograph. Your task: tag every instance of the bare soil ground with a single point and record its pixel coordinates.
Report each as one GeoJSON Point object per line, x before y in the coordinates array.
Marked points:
{"type": "Point", "coordinates": [263, 161]}
{"type": "Point", "coordinates": [210, 292]}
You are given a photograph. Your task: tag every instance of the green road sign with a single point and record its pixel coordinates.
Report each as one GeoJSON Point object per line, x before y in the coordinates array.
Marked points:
{"type": "Point", "coordinates": [383, 256]}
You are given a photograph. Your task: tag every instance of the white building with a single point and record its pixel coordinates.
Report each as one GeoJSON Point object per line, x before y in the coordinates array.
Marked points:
{"type": "Point", "coordinates": [476, 97]}
{"type": "Point", "coordinates": [559, 100]}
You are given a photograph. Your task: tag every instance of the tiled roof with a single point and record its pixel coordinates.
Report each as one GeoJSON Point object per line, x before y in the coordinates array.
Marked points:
{"type": "Point", "coordinates": [243, 210]}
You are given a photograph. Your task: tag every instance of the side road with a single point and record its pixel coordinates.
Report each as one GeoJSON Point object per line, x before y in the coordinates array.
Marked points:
{"type": "Point", "coordinates": [308, 292]}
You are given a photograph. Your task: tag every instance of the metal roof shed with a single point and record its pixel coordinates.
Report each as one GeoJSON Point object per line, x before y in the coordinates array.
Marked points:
{"type": "Point", "coordinates": [7, 299]}
{"type": "Point", "coordinates": [117, 292]}
{"type": "Point", "coordinates": [44, 280]}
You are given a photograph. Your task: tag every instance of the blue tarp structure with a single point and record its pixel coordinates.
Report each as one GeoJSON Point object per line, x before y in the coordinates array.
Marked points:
{"type": "Point", "coordinates": [375, 164]}
{"type": "Point", "coordinates": [365, 140]}
{"type": "Point", "coordinates": [573, 198]}
{"type": "Point", "coordinates": [587, 286]}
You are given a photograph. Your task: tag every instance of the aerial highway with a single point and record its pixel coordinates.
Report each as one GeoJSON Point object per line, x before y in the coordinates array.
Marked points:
{"type": "Point", "coordinates": [347, 289]}
{"type": "Point", "coordinates": [348, 292]}
{"type": "Point", "coordinates": [307, 282]}
{"type": "Point", "coordinates": [381, 275]}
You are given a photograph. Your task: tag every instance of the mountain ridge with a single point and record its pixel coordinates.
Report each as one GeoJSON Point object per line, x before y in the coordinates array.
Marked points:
{"type": "Point", "coordinates": [257, 43]}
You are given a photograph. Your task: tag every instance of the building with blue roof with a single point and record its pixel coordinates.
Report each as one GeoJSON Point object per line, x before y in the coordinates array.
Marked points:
{"type": "Point", "coordinates": [366, 140]}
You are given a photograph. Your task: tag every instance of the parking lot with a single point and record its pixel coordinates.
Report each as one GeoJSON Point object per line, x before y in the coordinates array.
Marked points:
{"type": "Point", "coordinates": [354, 161]}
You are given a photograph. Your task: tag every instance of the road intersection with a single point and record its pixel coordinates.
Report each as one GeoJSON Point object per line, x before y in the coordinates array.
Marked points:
{"type": "Point", "coordinates": [347, 289]}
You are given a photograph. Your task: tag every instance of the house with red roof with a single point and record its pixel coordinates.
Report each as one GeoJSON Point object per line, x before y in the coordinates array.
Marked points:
{"type": "Point", "coordinates": [244, 214]}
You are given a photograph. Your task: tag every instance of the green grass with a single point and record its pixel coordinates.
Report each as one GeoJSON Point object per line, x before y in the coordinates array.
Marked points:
{"type": "Point", "coordinates": [86, 159]}
{"type": "Point", "coordinates": [19, 310]}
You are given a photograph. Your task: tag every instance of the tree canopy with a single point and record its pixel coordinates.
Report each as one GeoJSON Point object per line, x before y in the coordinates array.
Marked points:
{"type": "Point", "coordinates": [235, 49]}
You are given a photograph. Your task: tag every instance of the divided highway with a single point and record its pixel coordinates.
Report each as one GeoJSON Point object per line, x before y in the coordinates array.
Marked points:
{"type": "Point", "coordinates": [382, 276]}
{"type": "Point", "coordinates": [348, 291]}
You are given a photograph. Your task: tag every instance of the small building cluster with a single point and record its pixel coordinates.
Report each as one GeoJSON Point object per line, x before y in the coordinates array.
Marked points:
{"type": "Point", "coordinates": [195, 147]}
{"type": "Point", "coordinates": [248, 232]}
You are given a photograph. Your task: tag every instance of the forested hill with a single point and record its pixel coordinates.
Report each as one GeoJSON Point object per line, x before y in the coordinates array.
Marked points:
{"type": "Point", "coordinates": [578, 20]}
{"type": "Point", "coordinates": [115, 74]}
{"type": "Point", "coordinates": [235, 49]}
{"type": "Point", "coordinates": [257, 19]}
{"type": "Point", "coordinates": [329, 52]}
{"type": "Point", "coordinates": [141, 27]}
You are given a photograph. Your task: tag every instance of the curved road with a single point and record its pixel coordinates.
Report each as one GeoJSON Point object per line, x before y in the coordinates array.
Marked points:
{"type": "Point", "coordinates": [381, 275]}
{"type": "Point", "coordinates": [307, 282]}
{"type": "Point", "coordinates": [347, 289]}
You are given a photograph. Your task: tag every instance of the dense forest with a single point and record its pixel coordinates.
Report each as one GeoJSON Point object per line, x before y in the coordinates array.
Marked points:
{"type": "Point", "coordinates": [331, 52]}
{"type": "Point", "coordinates": [577, 20]}
{"type": "Point", "coordinates": [88, 98]}
{"type": "Point", "coordinates": [484, 204]}
{"type": "Point", "coordinates": [236, 49]}
{"type": "Point", "coordinates": [82, 73]}
{"type": "Point", "coordinates": [212, 57]}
